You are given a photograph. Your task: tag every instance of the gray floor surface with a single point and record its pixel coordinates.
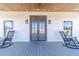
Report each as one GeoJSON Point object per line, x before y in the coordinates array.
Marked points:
{"type": "Point", "coordinates": [38, 49]}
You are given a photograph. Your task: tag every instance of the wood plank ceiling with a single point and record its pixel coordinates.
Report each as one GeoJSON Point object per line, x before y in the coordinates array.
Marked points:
{"type": "Point", "coordinates": [40, 7]}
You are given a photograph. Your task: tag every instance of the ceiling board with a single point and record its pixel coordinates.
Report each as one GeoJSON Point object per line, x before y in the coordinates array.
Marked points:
{"type": "Point", "coordinates": [43, 7]}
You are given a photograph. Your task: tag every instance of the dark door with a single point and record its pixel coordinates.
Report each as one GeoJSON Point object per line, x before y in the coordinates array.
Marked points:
{"type": "Point", "coordinates": [38, 30]}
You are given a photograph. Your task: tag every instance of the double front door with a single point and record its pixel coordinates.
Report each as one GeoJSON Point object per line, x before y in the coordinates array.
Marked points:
{"type": "Point", "coordinates": [38, 29]}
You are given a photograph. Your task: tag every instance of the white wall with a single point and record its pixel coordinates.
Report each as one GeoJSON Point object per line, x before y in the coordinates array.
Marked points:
{"type": "Point", "coordinates": [57, 18]}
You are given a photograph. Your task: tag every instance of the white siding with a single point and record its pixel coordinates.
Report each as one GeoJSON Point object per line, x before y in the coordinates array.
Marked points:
{"type": "Point", "coordinates": [22, 30]}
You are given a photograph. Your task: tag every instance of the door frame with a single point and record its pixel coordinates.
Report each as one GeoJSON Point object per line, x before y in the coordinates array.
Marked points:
{"type": "Point", "coordinates": [45, 27]}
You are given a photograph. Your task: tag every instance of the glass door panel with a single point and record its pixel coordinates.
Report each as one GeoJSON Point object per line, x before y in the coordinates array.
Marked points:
{"type": "Point", "coordinates": [34, 30]}
{"type": "Point", "coordinates": [41, 30]}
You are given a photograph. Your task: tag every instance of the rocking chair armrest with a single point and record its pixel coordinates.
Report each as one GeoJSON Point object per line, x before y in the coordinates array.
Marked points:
{"type": "Point", "coordinates": [71, 37]}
